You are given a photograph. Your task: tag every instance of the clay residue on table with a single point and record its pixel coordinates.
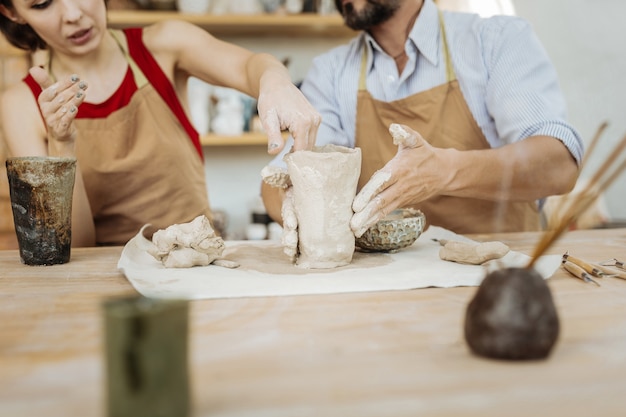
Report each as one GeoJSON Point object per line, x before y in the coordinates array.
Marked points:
{"type": "Point", "coordinates": [272, 260]}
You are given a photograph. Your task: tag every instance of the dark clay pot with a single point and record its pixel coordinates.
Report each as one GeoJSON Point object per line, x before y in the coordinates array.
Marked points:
{"type": "Point", "coordinates": [41, 200]}
{"type": "Point", "coordinates": [512, 316]}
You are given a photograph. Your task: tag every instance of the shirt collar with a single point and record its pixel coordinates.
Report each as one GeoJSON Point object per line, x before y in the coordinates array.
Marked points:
{"type": "Point", "coordinates": [424, 35]}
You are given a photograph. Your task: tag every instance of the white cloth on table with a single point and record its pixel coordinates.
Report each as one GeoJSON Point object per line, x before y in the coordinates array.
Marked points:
{"type": "Point", "coordinates": [266, 271]}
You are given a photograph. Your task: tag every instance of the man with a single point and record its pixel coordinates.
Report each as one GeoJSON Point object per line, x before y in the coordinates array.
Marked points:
{"type": "Point", "coordinates": [479, 99]}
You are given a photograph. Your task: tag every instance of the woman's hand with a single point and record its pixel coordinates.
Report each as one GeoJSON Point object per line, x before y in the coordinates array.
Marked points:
{"type": "Point", "coordinates": [282, 106]}
{"type": "Point", "coordinates": [59, 103]}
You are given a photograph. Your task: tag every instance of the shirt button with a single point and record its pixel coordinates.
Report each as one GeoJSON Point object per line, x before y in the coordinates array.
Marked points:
{"type": "Point", "coordinates": [391, 78]}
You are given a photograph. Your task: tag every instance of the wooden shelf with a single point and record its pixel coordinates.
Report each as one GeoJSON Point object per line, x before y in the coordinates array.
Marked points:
{"type": "Point", "coordinates": [247, 139]}
{"type": "Point", "coordinates": [300, 25]}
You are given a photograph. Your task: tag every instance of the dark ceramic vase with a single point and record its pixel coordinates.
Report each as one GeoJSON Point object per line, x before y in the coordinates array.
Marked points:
{"type": "Point", "coordinates": [41, 200]}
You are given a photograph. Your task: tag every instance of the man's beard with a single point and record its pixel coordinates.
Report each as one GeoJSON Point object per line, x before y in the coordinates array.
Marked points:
{"type": "Point", "coordinates": [372, 14]}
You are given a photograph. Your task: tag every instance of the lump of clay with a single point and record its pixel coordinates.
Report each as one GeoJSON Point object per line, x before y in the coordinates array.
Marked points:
{"type": "Point", "coordinates": [512, 316]}
{"type": "Point", "coordinates": [472, 253]}
{"type": "Point", "coordinates": [187, 244]}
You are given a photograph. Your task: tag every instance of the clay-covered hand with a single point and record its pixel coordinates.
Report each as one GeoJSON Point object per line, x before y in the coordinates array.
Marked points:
{"type": "Point", "coordinates": [279, 178]}
{"type": "Point", "coordinates": [59, 103]}
{"type": "Point", "coordinates": [282, 106]}
{"type": "Point", "coordinates": [290, 237]}
{"type": "Point", "coordinates": [414, 174]}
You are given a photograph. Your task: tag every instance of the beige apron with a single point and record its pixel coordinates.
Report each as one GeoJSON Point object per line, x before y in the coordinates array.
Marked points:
{"type": "Point", "coordinates": [443, 118]}
{"type": "Point", "coordinates": [139, 166]}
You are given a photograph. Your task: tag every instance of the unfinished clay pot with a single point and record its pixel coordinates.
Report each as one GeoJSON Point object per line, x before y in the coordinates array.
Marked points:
{"type": "Point", "coordinates": [512, 316]}
{"type": "Point", "coordinates": [324, 185]}
{"type": "Point", "coordinates": [41, 199]}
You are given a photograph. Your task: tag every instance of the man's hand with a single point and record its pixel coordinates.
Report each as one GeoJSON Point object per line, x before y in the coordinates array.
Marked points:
{"type": "Point", "coordinates": [415, 173]}
{"type": "Point", "coordinates": [59, 103]}
{"type": "Point", "coordinates": [279, 178]}
{"type": "Point", "coordinates": [290, 236]}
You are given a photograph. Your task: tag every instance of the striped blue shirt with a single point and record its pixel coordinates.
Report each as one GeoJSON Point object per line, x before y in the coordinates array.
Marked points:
{"type": "Point", "coordinates": [505, 75]}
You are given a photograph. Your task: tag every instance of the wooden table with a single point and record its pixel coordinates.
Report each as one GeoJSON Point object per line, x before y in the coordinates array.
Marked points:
{"type": "Point", "coordinates": [398, 353]}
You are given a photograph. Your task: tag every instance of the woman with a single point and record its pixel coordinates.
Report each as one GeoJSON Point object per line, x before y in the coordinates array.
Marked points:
{"type": "Point", "coordinates": [116, 100]}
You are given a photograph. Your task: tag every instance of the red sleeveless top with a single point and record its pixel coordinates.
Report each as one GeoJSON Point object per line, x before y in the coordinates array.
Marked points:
{"type": "Point", "coordinates": [121, 97]}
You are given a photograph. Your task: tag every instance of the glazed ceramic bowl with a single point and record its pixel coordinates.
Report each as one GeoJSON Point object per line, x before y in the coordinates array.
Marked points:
{"type": "Point", "coordinates": [396, 231]}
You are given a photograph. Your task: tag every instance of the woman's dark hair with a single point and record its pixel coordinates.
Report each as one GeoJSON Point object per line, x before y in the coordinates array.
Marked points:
{"type": "Point", "coordinates": [19, 35]}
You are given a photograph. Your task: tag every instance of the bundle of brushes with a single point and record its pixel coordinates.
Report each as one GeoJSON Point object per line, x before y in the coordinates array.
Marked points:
{"type": "Point", "coordinates": [512, 315]}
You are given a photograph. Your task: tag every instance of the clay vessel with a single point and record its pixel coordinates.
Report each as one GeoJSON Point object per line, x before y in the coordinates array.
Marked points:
{"type": "Point", "coordinates": [512, 316]}
{"type": "Point", "coordinates": [324, 185]}
{"type": "Point", "coordinates": [41, 200]}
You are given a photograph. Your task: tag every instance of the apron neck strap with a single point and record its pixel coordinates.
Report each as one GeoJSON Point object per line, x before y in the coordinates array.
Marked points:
{"type": "Point", "coordinates": [140, 78]}
{"type": "Point", "coordinates": [362, 84]}
{"type": "Point", "coordinates": [450, 75]}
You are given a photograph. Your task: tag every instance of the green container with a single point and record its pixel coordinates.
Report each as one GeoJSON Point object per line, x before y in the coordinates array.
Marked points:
{"type": "Point", "coordinates": [146, 343]}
